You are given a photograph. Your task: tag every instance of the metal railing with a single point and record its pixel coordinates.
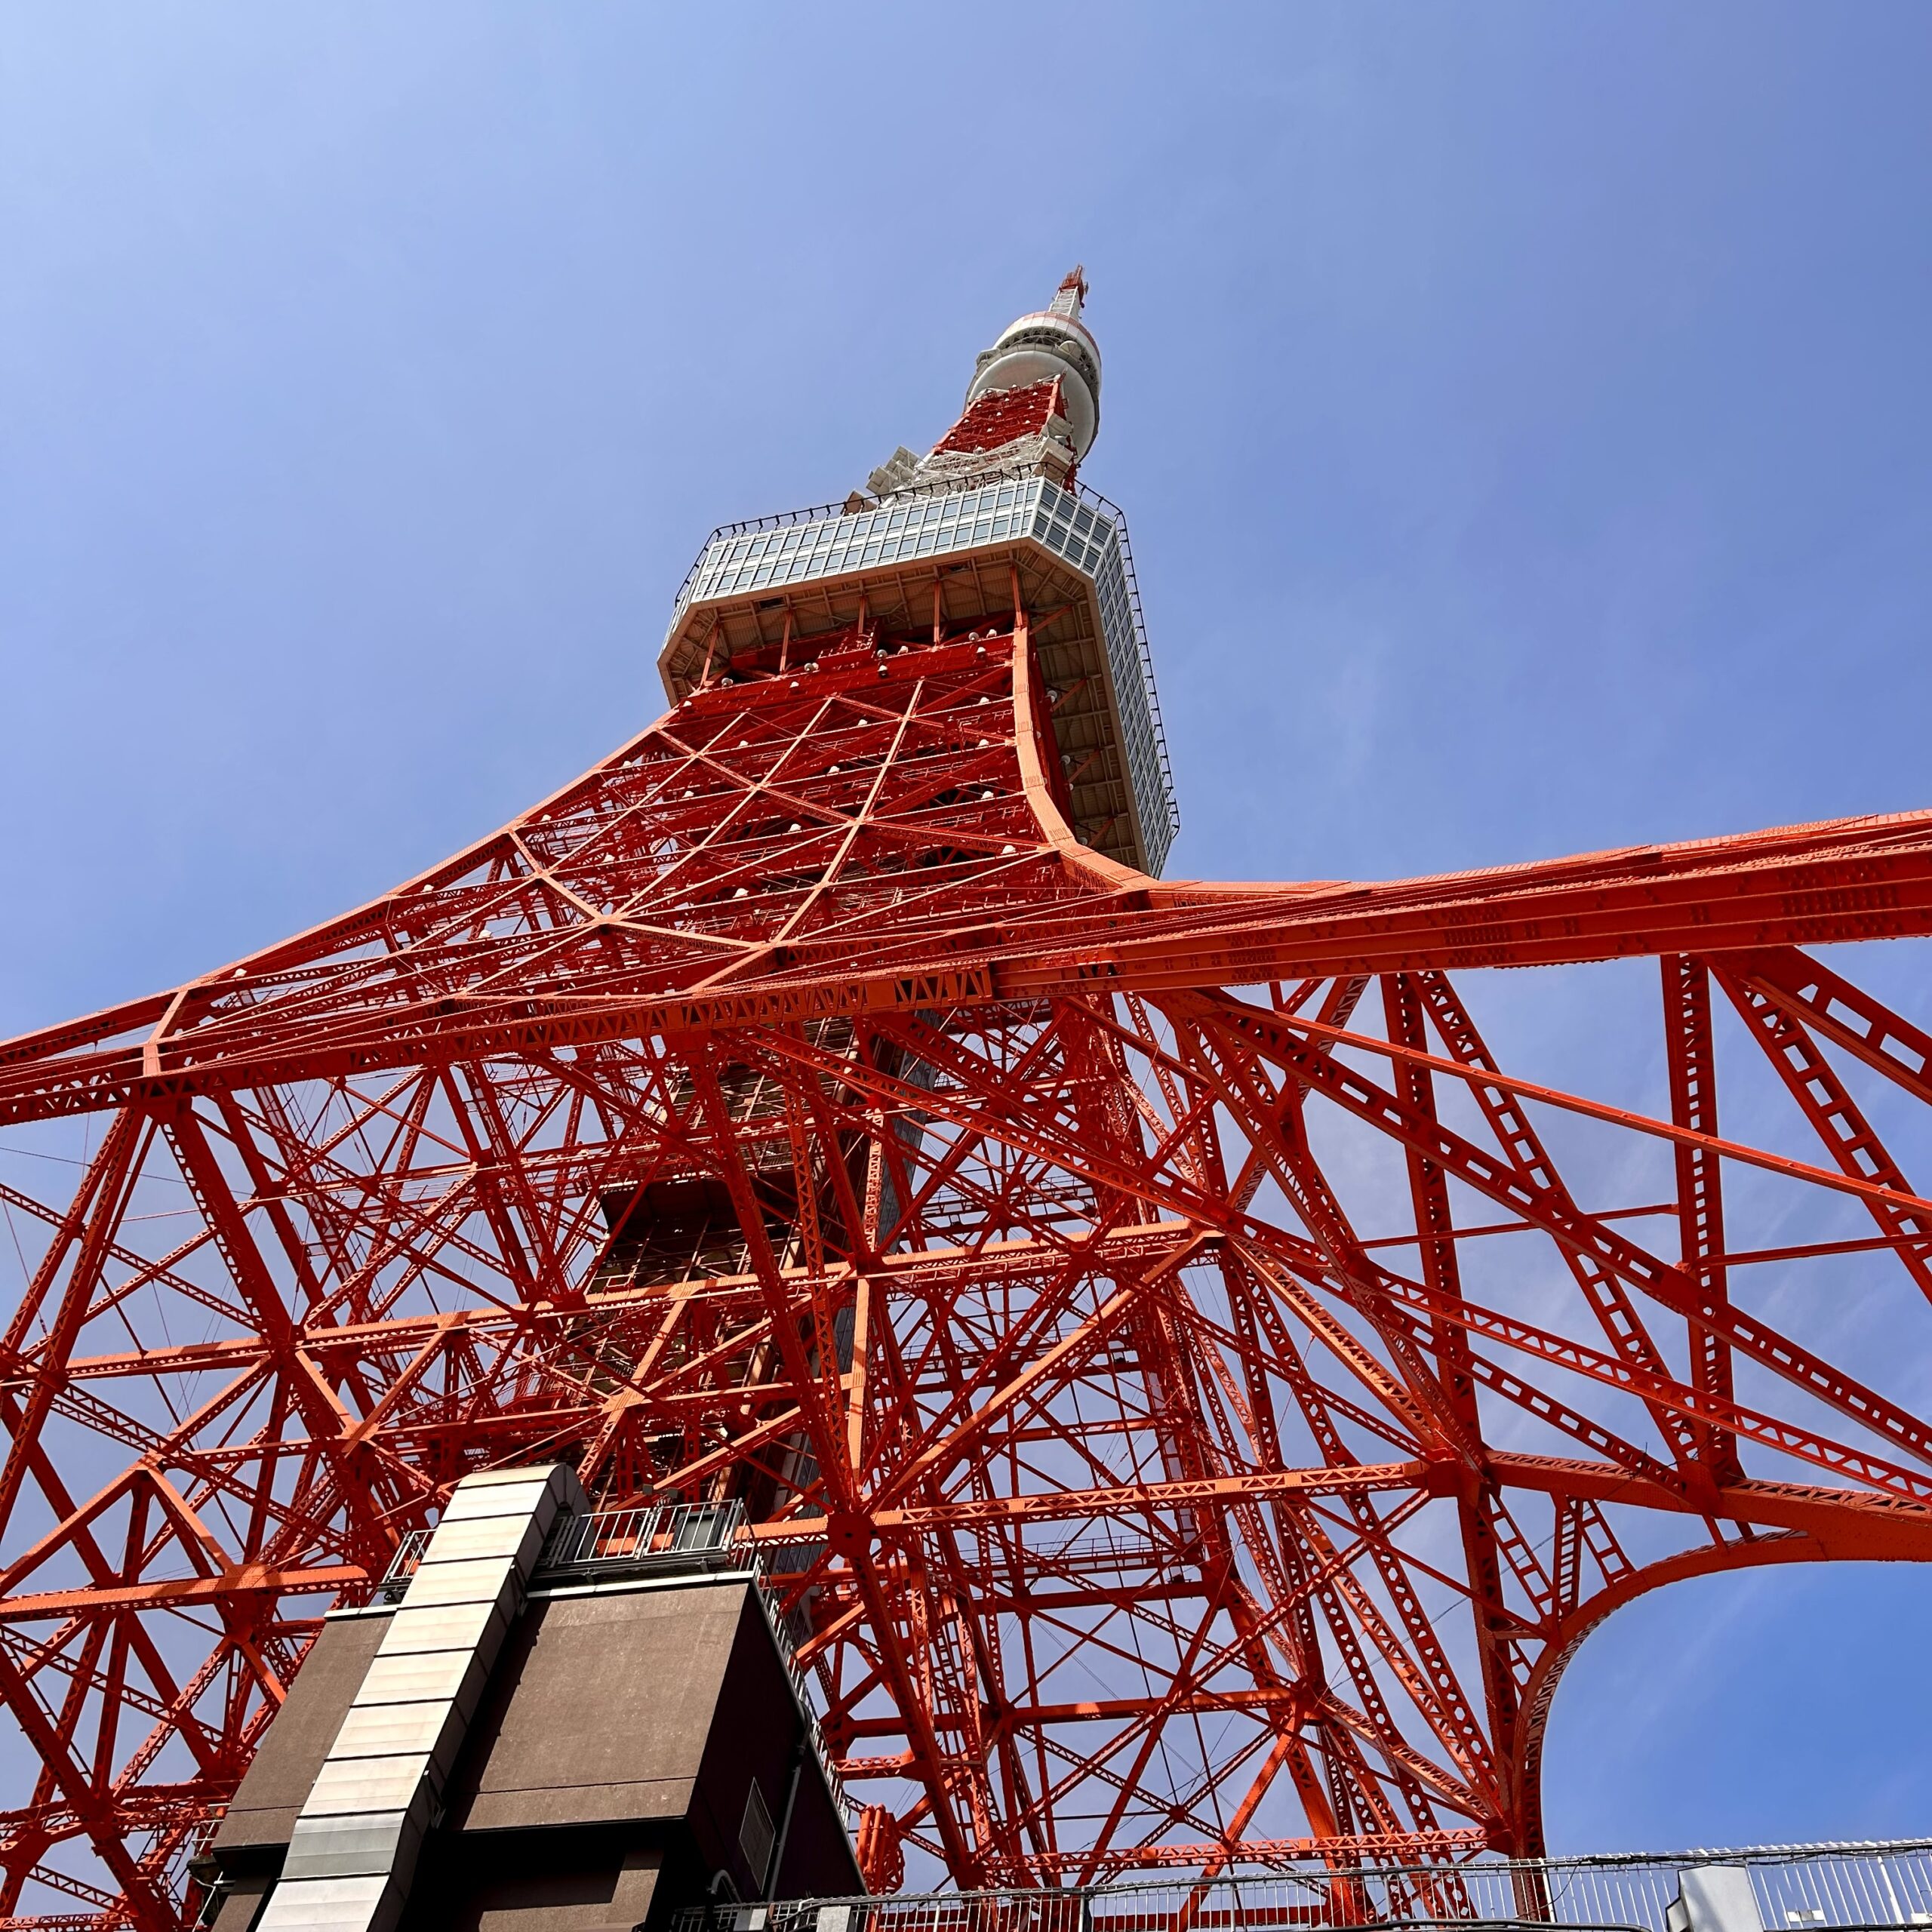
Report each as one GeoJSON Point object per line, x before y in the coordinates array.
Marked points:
{"type": "Point", "coordinates": [1840, 1887]}
{"type": "Point", "coordinates": [671, 1538]}
{"type": "Point", "coordinates": [403, 1565]}
{"type": "Point", "coordinates": [781, 1637]}
{"type": "Point", "coordinates": [824, 512]}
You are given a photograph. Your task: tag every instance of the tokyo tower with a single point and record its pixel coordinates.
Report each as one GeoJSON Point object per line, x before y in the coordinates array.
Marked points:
{"type": "Point", "coordinates": [1190, 1392]}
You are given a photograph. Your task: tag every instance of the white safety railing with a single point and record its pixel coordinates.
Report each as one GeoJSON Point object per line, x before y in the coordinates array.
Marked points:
{"type": "Point", "coordinates": [1838, 1888]}
{"type": "Point", "coordinates": [402, 1566]}
{"type": "Point", "coordinates": [671, 1537]}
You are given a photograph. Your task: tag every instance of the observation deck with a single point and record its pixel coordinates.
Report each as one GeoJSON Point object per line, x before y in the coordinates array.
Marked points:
{"type": "Point", "coordinates": [993, 524]}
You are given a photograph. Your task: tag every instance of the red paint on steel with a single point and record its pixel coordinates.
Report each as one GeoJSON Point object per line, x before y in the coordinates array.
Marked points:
{"type": "Point", "coordinates": [1001, 416]}
{"type": "Point", "coordinates": [1162, 1465]}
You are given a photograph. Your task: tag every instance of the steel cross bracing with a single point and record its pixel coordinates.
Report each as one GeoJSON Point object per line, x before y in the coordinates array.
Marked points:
{"type": "Point", "coordinates": [1192, 1395]}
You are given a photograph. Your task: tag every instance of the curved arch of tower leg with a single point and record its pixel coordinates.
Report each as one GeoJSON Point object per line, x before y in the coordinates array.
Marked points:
{"type": "Point", "coordinates": [1192, 1372]}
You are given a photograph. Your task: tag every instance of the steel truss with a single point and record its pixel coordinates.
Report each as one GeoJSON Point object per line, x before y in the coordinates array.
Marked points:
{"type": "Point", "coordinates": [1192, 1397]}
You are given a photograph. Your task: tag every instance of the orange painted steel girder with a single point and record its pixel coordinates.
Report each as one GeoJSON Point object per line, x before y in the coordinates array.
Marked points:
{"type": "Point", "coordinates": [1191, 1418]}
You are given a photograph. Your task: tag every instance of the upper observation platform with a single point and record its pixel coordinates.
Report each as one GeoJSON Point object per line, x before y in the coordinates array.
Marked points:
{"type": "Point", "coordinates": [992, 522]}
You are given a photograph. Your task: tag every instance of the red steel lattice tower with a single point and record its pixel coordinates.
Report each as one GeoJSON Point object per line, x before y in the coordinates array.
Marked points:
{"type": "Point", "coordinates": [1192, 1396]}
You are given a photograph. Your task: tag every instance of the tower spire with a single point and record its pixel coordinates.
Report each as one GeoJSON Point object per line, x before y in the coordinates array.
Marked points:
{"type": "Point", "coordinates": [1072, 294]}
{"type": "Point", "coordinates": [1052, 344]}
{"type": "Point", "coordinates": [1033, 404]}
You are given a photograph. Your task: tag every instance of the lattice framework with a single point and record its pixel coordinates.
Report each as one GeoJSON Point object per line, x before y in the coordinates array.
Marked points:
{"type": "Point", "coordinates": [1194, 1396]}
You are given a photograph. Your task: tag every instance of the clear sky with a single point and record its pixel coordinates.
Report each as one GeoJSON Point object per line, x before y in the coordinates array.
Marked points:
{"type": "Point", "coordinates": [1522, 412]}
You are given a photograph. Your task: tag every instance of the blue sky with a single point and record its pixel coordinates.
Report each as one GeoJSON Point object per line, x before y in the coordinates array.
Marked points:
{"type": "Point", "coordinates": [1522, 412]}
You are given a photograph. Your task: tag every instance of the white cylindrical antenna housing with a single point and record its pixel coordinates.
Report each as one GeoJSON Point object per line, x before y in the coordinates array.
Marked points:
{"type": "Point", "coordinates": [1039, 347]}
